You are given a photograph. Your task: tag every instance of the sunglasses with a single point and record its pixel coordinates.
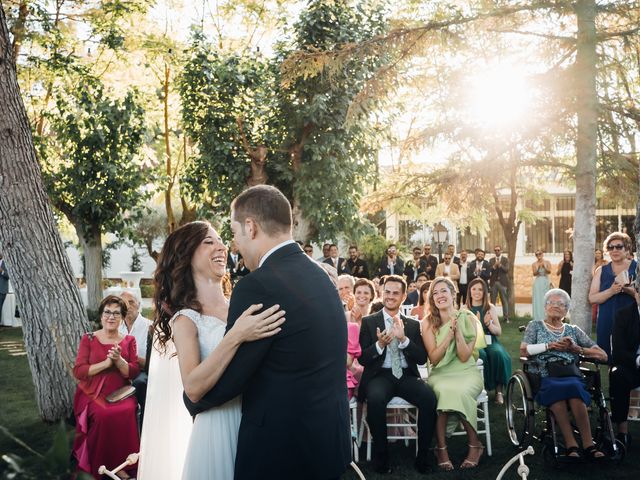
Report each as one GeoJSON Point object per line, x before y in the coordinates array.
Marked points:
{"type": "Point", "coordinates": [617, 246]}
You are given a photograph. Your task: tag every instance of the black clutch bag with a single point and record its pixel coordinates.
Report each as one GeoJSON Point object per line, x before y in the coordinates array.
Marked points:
{"type": "Point", "coordinates": [562, 369]}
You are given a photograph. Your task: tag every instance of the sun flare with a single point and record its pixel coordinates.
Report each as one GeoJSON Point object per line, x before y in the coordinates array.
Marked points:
{"type": "Point", "coordinates": [499, 97]}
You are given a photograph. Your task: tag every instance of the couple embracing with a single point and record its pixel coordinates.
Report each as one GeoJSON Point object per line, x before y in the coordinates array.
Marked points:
{"type": "Point", "coordinates": [263, 376]}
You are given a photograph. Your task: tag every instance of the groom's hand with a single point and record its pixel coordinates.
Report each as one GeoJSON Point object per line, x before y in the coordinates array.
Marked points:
{"type": "Point", "coordinates": [195, 408]}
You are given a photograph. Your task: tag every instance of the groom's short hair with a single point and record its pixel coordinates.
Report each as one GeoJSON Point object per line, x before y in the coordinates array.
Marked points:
{"type": "Point", "coordinates": [267, 206]}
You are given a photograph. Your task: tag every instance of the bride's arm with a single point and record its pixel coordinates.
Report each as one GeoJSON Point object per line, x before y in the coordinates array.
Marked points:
{"type": "Point", "coordinates": [198, 378]}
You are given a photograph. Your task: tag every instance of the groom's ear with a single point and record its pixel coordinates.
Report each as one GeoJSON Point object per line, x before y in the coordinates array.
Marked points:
{"type": "Point", "coordinates": [251, 227]}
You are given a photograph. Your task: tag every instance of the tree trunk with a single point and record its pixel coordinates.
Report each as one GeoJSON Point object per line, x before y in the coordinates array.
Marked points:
{"type": "Point", "coordinates": [171, 219]}
{"type": "Point", "coordinates": [584, 237]}
{"type": "Point", "coordinates": [50, 305]}
{"type": "Point", "coordinates": [91, 242]}
{"type": "Point", "coordinates": [302, 229]}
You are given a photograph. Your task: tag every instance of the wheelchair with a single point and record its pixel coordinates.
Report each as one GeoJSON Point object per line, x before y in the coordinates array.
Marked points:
{"type": "Point", "coordinates": [522, 417]}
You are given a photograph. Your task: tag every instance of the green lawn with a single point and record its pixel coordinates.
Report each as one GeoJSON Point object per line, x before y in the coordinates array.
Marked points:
{"type": "Point", "coordinates": [19, 415]}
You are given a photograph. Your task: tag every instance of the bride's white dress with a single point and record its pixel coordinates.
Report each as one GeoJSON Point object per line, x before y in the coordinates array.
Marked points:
{"type": "Point", "coordinates": [211, 450]}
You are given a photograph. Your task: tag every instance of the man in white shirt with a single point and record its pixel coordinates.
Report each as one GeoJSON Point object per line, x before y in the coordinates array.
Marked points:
{"type": "Point", "coordinates": [136, 325]}
{"type": "Point", "coordinates": [464, 279]}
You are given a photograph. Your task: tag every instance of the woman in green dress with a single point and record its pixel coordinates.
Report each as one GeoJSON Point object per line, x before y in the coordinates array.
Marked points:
{"type": "Point", "coordinates": [449, 336]}
{"type": "Point", "coordinates": [496, 360]}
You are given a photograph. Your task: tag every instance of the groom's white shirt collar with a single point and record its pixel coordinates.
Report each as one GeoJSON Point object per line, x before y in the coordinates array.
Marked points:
{"type": "Point", "coordinates": [280, 245]}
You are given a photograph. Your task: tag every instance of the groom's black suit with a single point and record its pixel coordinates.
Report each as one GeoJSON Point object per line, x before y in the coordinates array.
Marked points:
{"type": "Point", "coordinates": [295, 414]}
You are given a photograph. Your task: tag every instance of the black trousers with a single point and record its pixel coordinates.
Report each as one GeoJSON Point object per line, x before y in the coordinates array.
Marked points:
{"type": "Point", "coordinates": [382, 388]}
{"type": "Point", "coordinates": [462, 294]}
{"type": "Point", "coordinates": [621, 381]}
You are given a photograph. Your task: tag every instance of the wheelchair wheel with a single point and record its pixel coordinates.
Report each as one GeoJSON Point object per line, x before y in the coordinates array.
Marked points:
{"type": "Point", "coordinates": [519, 410]}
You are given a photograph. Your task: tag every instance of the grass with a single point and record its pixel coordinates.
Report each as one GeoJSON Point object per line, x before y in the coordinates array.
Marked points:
{"type": "Point", "coordinates": [18, 413]}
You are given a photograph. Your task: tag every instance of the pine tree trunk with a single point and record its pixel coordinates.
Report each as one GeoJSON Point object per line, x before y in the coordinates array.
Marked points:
{"type": "Point", "coordinates": [91, 242]}
{"type": "Point", "coordinates": [302, 229]}
{"type": "Point", "coordinates": [51, 309]}
{"type": "Point", "coordinates": [584, 237]}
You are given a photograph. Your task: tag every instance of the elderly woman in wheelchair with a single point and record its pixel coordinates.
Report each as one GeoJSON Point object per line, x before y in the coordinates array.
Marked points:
{"type": "Point", "coordinates": [553, 349]}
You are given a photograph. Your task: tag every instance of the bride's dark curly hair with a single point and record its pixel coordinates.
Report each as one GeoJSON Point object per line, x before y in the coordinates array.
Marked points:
{"type": "Point", "coordinates": [173, 278]}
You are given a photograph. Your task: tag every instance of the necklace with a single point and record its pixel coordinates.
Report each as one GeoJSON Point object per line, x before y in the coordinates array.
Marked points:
{"type": "Point", "coordinates": [554, 330]}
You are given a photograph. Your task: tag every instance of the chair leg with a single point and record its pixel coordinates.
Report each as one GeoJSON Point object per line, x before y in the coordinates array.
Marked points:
{"type": "Point", "coordinates": [487, 427]}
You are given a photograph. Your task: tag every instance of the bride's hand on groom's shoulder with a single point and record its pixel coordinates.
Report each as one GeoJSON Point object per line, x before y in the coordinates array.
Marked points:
{"type": "Point", "coordinates": [252, 326]}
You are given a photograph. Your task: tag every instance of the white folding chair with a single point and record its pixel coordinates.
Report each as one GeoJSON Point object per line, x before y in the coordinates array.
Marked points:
{"type": "Point", "coordinates": [401, 416]}
{"type": "Point", "coordinates": [406, 310]}
{"type": "Point", "coordinates": [483, 408]}
{"type": "Point", "coordinates": [634, 405]}
{"type": "Point", "coordinates": [355, 434]}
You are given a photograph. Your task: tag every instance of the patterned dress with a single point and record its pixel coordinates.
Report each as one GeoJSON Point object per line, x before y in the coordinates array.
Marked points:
{"type": "Point", "coordinates": [554, 389]}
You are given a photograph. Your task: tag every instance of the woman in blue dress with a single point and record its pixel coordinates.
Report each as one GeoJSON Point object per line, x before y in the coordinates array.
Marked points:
{"type": "Point", "coordinates": [611, 287]}
{"type": "Point", "coordinates": [552, 342]}
{"type": "Point", "coordinates": [540, 269]}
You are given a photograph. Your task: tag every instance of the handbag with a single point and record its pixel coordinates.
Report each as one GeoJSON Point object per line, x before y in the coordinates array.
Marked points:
{"type": "Point", "coordinates": [562, 369]}
{"type": "Point", "coordinates": [121, 394]}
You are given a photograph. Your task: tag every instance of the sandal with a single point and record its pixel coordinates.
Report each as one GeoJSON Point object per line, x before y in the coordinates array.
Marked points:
{"type": "Point", "coordinates": [593, 453]}
{"type": "Point", "coordinates": [467, 464]}
{"type": "Point", "coordinates": [446, 466]}
{"type": "Point", "coordinates": [572, 453]}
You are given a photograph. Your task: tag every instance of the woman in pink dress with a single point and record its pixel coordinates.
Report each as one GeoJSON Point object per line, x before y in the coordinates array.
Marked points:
{"type": "Point", "coordinates": [364, 293]}
{"type": "Point", "coordinates": [106, 433]}
{"type": "Point", "coordinates": [353, 352]}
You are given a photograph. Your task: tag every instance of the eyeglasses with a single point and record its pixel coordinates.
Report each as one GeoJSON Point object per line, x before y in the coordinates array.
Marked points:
{"type": "Point", "coordinates": [553, 303]}
{"type": "Point", "coordinates": [617, 246]}
{"type": "Point", "coordinates": [108, 313]}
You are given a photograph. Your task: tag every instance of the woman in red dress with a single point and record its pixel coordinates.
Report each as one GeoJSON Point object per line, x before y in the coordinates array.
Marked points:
{"type": "Point", "coordinates": [106, 433]}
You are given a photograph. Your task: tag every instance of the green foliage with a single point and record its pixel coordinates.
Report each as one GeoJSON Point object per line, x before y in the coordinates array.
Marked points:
{"type": "Point", "coordinates": [373, 247]}
{"type": "Point", "coordinates": [146, 290]}
{"type": "Point", "coordinates": [55, 464]}
{"type": "Point", "coordinates": [318, 160]}
{"type": "Point", "coordinates": [90, 164]}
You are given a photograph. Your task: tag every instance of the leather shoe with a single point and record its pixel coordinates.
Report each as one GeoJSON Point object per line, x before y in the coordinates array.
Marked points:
{"type": "Point", "coordinates": [381, 464]}
{"type": "Point", "coordinates": [625, 438]}
{"type": "Point", "coordinates": [422, 465]}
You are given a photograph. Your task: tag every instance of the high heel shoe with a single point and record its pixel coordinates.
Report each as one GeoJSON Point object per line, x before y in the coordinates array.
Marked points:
{"type": "Point", "coordinates": [446, 466]}
{"type": "Point", "coordinates": [467, 464]}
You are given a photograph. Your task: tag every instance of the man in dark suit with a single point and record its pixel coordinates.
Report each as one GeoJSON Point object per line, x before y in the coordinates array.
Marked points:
{"type": "Point", "coordinates": [414, 267]}
{"type": "Point", "coordinates": [499, 279]}
{"type": "Point", "coordinates": [430, 262]}
{"type": "Point", "coordinates": [391, 263]}
{"type": "Point", "coordinates": [295, 413]}
{"type": "Point", "coordinates": [479, 268]}
{"type": "Point", "coordinates": [392, 349]}
{"type": "Point", "coordinates": [624, 375]}
{"type": "Point", "coordinates": [413, 298]}
{"type": "Point", "coordinates": [355, 266]}
{"type": "Point", "coordinates": [235, 264]}
{"type": "Point", "coordinates": [335, 260]}
{"type": "Point", "coordinates": [4, 283]}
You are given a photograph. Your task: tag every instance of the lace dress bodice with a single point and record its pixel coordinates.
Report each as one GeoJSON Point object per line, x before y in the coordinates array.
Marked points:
{"type": "Point", "coordinates": [210, 330]}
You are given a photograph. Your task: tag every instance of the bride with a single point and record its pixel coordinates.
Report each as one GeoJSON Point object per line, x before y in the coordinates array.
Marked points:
{"type": "Point", "coordinates": [191, 313]}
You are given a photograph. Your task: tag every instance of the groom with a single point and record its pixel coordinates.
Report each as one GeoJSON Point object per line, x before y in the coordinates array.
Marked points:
{"type": "Point", "coordinates": [295, 415]}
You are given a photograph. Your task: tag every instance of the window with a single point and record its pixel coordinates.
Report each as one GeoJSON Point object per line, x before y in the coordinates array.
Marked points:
{"type": "Point", "coordinates": [605, 224]}
{"type": "Point", "coordinates": [564, 231]}
{"type": "Point", "coordinates": [539, 236]}
{"type": "Point", "coordinates": [495, 236]}
{"type": "Point", "coordinates": [468, 241]}
{"type": "Point", "coordinates": [566, 204]}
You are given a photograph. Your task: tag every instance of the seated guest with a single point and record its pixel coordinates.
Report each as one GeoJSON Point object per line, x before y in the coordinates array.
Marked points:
{"type": "Point", "coordinates": [391, 352]}
{"type": "Point", "coordinates": [364, 294]}
{"type": "Point", "coordinates": [413, 298]}
{"type": "Point", "coordinates": [450, 337]}
{"type": "Point", "coordinates": [345, 290]}
{"type": "Point", "coordinates": [106, 433]}
{"type": "Point", "coordinates": [625, 372]}
{"type": "Point", "coordinates": [554, 346]}
{"type": "Point", "coordinates": [496, 360]}
{"type": "Point", "coordinates": [422, 310]}
{"type": "Point", "coordinates": [137, 326]}
{"type": "Point", "coordinates": [391, 263]}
